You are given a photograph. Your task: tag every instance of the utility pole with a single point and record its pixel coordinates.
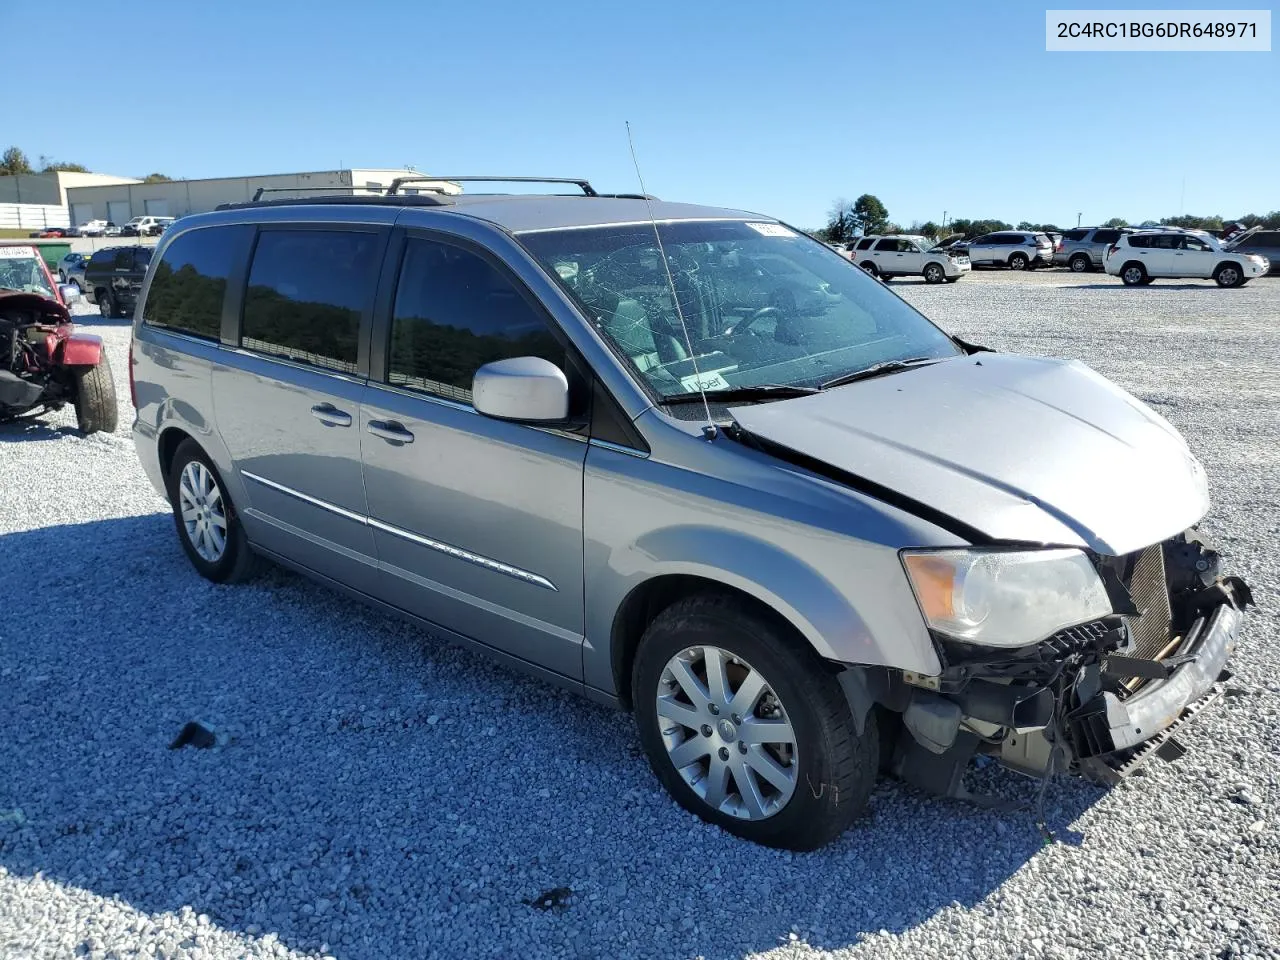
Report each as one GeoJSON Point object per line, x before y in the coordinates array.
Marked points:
{"type": "Point", "coordinates": [944, 219]}
{"type": "Point", "coordinates": [1078, 216]}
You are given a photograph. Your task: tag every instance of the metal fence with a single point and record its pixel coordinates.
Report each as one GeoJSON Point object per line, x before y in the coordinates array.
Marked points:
{"type": "Point", "coordinates": [32, 216]}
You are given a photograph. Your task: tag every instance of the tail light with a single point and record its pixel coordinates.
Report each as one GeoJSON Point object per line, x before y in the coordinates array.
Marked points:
{"type": "Point", "coordinates": [1058, 247]}
{"type": "Point", "coordinates": [133, 390]}
{"type": "Point", "coordinates": [1112, 249]}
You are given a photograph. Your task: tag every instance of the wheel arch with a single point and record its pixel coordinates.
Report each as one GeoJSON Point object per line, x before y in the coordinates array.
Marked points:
{"type": "Point", "coordinates": [167, 444]}
{"type": "Point", "coordinates": [647, 600]}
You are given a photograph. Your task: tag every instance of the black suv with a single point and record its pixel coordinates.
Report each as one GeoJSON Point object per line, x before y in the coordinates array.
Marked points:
{"type": "Point", "coordinates": [113, 279]}
{"type": "Point", "coordinates": [1265, 243]}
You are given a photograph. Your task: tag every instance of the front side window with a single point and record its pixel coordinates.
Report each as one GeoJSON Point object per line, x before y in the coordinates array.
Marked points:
{"type": "Point", "coordinates": [190, 281]}
{"type": "Point", "coordinates": [454, 312]}
{"type": "Point", "coordinates": [761, 305]}
{"type": "Point", "coordinates": [1194, 243]}
{"type": "Point", "coordinates": [307, 290]}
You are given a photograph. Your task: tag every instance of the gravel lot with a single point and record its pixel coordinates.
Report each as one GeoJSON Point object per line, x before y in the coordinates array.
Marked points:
{"type": "Point", "coordinates": [383, 796]}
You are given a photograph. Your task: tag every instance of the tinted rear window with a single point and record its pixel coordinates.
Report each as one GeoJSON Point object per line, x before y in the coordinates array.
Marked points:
{"type": "Point", "coordinates": [307, 290]}
{"type": "Point", "coordinates": [1106, 236]}
{"type": "Point", "coordinates": [190, 281]}
{"type": "Point", "coordinates": [1140, 242]}
{"type": "Point", "coordinates": [865, 243]}
{"type": "Point", "coordinates": [1075, 234]}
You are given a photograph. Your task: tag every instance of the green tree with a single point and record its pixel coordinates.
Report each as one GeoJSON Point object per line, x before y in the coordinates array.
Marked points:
{"type": "Point", "coordinates": [14, 162]}
{"type": "Point", "coordinates": [156, 178]}
{"type": "Point", "coordinates": [1191, 221]}
{"type": "Point", "coordinates": [49, 165]}
{"type": "Point", "coordinates": [870, 214]}
{"type": "Point", "coordinates": [841, 223]}
{"type": "Point", "coordinates": [930, 229]}
{"type": "Point", "coordinates": [1116, 222]}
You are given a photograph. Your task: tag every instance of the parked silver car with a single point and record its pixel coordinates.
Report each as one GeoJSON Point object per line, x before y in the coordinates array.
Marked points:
{"type": "Point", "coordinates": [1264, 243]}
{"type": "Point", "coordinates": [71, 269]}
{"type": "Point", "coordinates": [1015, 249]}
{"type": "Point", "coordinates": [1085, 248]}
{"type": "Point", "coordinates": [728, 481]}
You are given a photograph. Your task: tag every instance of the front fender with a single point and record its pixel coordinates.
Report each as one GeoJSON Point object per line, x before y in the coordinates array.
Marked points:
{"type": "Point", "coordinates": [79, 350]}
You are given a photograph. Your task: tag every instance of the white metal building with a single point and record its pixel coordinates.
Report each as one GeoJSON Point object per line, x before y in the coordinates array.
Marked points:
{"type": "Point", "coordinates": [177, 198]}
{"type": "Point", "coordinates": [52, 188]}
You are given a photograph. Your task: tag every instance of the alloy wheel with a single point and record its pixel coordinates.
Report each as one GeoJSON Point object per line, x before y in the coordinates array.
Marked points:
{"type": "Point", "coordinates": [1229, 276]}
{"type": "Point", "coordinates": [1079, 265]}
{"type": "Point", "coordinates": [933, 273]}
{"type": "Point", "coordinates": [1132, 276]}
{"type": "Point", "coordinates": [727, 733]}
{"type": "Point", "coordinates": [204, 515]}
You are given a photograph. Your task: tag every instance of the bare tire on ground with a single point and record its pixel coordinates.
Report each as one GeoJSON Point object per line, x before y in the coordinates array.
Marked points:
{"type": "Point", "coordinates": [1229, 275]}
{"type": "Point", "coordinates": [1018, 261]}
{"type": "Point", "coordinates": [1134, 274]}
{"type": "Point", "coordinates": [96, 407]}
{"type": "Point", "coordinates": [208, 525]}
{"type": "Point", "coordinates": [746, 727]}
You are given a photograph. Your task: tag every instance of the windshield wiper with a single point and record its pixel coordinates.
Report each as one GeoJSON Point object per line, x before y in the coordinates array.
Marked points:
{"type": "Point", "coordinates": [879, 370]}
{"type": "Point", "coordinates": [764, 391]}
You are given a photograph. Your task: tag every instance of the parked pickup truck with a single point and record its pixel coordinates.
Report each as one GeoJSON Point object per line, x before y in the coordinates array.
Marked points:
{"type": "Point", "coordinates": [113, 279]}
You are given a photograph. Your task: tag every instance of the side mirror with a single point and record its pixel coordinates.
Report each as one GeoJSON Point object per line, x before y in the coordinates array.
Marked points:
{"type": "Point", "coordinates": [527, 389]}
{"type": "Point", "coordinates": [70, 293]}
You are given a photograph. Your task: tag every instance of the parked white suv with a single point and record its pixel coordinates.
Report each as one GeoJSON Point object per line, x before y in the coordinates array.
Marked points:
{"type": "Point", "coordinates": [901, 255]}
{"type": "Point", "coordinates": [1140, 258]}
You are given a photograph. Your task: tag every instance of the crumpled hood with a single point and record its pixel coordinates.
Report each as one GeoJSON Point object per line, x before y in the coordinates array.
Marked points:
{"type": "Point", "coordinates": [1019, 448]}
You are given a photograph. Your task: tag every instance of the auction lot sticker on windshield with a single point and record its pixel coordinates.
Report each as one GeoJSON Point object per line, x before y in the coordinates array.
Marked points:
{"type": "Point", "coordinates": [17, 253]}
{"type": "Point", "coordinates": [772, 229]}
{"type": "Point", "coordinates": [1231, 31]}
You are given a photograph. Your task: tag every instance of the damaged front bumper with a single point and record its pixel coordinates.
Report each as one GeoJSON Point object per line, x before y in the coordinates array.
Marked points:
{"type": "Point", "coordinates": [1096, 700]}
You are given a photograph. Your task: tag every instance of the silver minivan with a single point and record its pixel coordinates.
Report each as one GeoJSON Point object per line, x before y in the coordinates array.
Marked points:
{"type": "Point", "coordinates": [692, 463]}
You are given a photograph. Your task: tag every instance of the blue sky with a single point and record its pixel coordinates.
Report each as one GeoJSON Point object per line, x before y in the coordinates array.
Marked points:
{"type": "Point", "coordinates": [776, 107]}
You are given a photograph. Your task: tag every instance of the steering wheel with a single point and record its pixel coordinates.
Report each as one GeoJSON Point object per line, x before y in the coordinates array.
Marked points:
{"type": "Point", "coordinates": [745, 326]}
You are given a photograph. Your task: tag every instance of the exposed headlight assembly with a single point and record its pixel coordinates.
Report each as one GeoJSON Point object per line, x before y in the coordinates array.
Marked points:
{"type": "Point", "coordinates": [1005, 598]}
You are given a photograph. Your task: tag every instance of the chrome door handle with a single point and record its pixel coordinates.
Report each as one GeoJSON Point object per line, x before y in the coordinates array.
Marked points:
{"type": "Point", "coordinates": [327, 413]}
{"type": "Point", "coordinates": [390, 430]}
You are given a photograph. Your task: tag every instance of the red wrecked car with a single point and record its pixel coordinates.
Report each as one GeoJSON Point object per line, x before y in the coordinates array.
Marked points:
{"type": "Point", "coordinates": [44, 362]}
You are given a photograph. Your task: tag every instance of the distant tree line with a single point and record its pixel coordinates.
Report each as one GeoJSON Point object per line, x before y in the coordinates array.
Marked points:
{"type": "Point", "coordinates": [14, 162]}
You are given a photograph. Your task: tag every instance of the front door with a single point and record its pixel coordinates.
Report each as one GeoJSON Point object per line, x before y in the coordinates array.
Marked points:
{"type": "Point", "coordinates": [1194, 258]}
{"type": "Point", "coordinates": [477, 522]}
{"type": "Point", "coordinates": [288, 401]}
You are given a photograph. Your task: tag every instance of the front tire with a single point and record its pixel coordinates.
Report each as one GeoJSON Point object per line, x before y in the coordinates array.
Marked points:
{"type": "Point", "coordinates": [1018, 261]}
{"type": "Point", "coordinates": [1229, 275]}
{"type": "Point", "coordinates": [1134, 275]}
{"type": "Point", "coordinates": [1080, 263]}
{"type": "Point", "coordinates": [747, 728]}
{"type": "Point", "coordinates": [208, 524]}
{"type": "Point", "coordinates": [96, 408]}
{"type": "Point", "coordinates": [933, 273]}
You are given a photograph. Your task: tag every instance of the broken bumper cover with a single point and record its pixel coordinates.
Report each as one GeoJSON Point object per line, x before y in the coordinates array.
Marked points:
{"type": "Point", "coordinates": [1107, 725]}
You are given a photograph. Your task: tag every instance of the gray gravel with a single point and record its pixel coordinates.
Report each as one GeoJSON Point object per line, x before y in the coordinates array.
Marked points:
{"type": "Point", "coordinates": [380, 795]}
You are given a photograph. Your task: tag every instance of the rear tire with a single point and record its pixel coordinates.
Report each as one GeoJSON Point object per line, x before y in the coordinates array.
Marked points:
{"type": "Point", "coordinates": [1134, 275]}
{"type": "Point", "coordinates": [106, 304]}
{"type": "Point", "coordinates": [96, 408]}
{"type": "Point", "coordinates": [1018, 261]}
{"type": "Point", "coordinates": [870, 268]}
{"type": "Point", "coordinates": [234, 561]}
{"type": "Point", "coordinates": [1080, 263]}
{"type": "Point", "coordinates": [832, 767]}
{"type": "Point", "coordinates": [1229, 275]}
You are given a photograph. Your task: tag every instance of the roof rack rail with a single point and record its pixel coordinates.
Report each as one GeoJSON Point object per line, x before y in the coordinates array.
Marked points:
{"type": "Point", "coordinates": [587, 189]}
{"type": "Point", "coordinates": [378, 199]}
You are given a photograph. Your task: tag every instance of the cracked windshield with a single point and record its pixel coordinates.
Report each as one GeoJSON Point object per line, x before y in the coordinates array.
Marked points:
{"type": "Point", "coordinates": [763, 305]}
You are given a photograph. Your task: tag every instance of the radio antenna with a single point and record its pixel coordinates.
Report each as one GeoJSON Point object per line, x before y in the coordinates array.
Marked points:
{"type": "Point", "coordinates": [710, 430]}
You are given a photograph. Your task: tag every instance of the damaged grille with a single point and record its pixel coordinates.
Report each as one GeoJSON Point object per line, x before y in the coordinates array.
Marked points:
{"type": "Point", "coordinates": [1150, 631]}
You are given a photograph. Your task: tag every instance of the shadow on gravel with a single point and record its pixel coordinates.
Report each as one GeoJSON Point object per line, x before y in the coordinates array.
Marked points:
{"type": "Point", "coordinates": [382, 795]}
{"type": "Point", "coordinates": [21, 431]}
